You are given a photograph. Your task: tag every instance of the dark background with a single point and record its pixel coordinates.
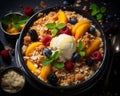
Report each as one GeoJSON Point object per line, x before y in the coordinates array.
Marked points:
{"type": "Point", "coordinates": [113, 8]}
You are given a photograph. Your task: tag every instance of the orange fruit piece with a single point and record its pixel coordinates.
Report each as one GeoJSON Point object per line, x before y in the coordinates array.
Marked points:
{"type": "Point", "coordinates": [81, 30]}
{"type": "Point", "coordinates": [77, 25]}
{"type": "Point", "coordinates": [31, 47]}
{"type": "Point", "coordinates": [62, 18]}
{"type": "Point", "coordinates": [93, 46]}
{"type": "Point", "coordinates": [45, 71]}
{"type": "Point", "coordinates": [32, 67]}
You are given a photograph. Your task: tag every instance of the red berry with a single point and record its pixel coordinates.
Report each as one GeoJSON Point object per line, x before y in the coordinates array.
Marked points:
{"type": "Point", "coordinates": [46, 40]}
{"type": "Point", "coordinates": [96, 55]}
{"type": "Point", "coordinates": [65, 30]}
{"type": "Point", "coordinates": [5, 54]}
{"type": "Point", "coordinates": [28, 10]}
{"type": "Point", "coordinates": [69, 65]}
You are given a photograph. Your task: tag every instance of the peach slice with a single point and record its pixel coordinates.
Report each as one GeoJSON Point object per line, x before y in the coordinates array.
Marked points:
{"type": "Point", "coordinates": [32, 47]}
{"type": "Point", "coordinates": [81, 30]}
{"type": "Point", "coordinates": [45, 71]}
{"type": "Point", "coordinates": [77, 25]}
{"type": "Point", "coordinates": [32, 67]}
{"type": "Point", "coordinates": [62, 18]}
{"type": "Point", "coordinates": [93, 46]}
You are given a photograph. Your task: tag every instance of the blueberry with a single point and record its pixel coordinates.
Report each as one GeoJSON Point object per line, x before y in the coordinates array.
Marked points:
{"type": "Point", "coordinates": [52, 78]}
{"type": "Point", "coordinates": [73, 20]}
{"type": "Point", "coordinates": [109, 17]}
{"type": "Point", "coordinates": [89, 61]}
{"type": "Point", "coordinates": [75, 57]}
{"type": "Point", "coordinates": [47, 52]}
{"type": "Point", "coordinates": [33, 35]}
{"type": "Point", "coordinates": [92, 30]}
{"type": "Point", "coordinates": [65, 2]}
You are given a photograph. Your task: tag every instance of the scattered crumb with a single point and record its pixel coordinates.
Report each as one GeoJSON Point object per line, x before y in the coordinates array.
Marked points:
{"type": "Point", "coordinates": [8, 48]}
{"type": "Point", "coordinates": [36, 8]}
{"type": "Point", "coordinates": [78, 1]}
{"type": "Point", "coordinates": [42, 4]}
{"type": "Point", "coordinates": [77, 5]}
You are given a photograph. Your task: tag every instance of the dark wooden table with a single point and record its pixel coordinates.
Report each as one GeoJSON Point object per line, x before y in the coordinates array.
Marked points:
{"type": "Point", "coordinates": [112, 9]}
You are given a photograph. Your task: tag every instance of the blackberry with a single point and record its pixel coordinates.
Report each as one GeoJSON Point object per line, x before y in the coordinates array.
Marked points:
{"type": "Point", "coordinates": [89, 61]}
{"type": "Point", "coordinates": [33, 35]}
{"type": "Point", "coordinates": [52, 78]}
{"type": "Point", "coordinates": [75, 57]}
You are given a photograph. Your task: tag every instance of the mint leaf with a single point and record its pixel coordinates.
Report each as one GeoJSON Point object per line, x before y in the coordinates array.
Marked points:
{"type": "Point", "coordinates": [54, 31]}
{"type": "Point", "coordinates": [93, 6]}
{"type": "Point", "coordinates": [47, 61]}
{"type": "Point", "coordinates": [102, 9]}
{"type": "Point", "coordinates": [55, 55]}
{"type": "Point", "coordinates": [99, 16]}
{"type": "Point", "coordinates": [80, 48]}
{"type": "Point", "coordinates": [16, 25]}
{"type": "Point", "coordinates": [59, 65]}
{"type": "Point", "coordinates": [55, 28]}
{"type": "Point", "coordinates": [14, 19]}
{"type": "Point", "coordinates": [82, 53]}
{"type": "Point", "coordinates": [51, 25]}
{"type": "Point", "coordinates": [80, 45]}
{"type": "Point", "coordinates": [6, 20]}
{"type": "Point", "coordinates": [61, 25]}
{"type": "Point", "coordinates": [18, 20]}
{"type": "Point", "coordinates": [95, 11]}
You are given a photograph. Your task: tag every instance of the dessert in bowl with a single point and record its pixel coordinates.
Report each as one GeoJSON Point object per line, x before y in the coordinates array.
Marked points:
{"type": "Point", "coordinates": [12, 23]}
{"type": "Point", "coordinates": [12, 80]}
{"type": "Point", "coordinates": [62, 48]}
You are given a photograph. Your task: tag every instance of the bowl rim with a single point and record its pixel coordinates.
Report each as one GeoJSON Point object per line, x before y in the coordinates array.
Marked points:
{"type": "Point", "coordinates": [17, 70]}
{"type": "Point", "coordinates": [71, 8]}
{"type": "Point", "coordinates": [1, 25]}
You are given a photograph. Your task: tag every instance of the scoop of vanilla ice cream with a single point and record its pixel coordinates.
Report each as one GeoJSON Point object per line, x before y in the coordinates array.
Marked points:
{"type": "Point", "coordinates": [65, 44]}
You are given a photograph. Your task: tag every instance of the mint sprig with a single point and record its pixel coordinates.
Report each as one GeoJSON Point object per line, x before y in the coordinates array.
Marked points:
{"type": "Point", "coordinates": [97, 11]}
{"type": "Point", "coordinates": [55, 27]}
{"type": "Point", "coordinates": [52, 59]}
{"type": "Point", "coordinates": [80, 48]}
{"type": "Point", "coordinates": [14, 19]}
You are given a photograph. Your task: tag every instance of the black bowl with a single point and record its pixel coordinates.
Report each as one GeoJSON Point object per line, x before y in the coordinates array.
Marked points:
{"type": "Point", "coordinates": [15, 88]}
{"type": "Point", "coordinates": [4, 27]}
{"type": "Point", "coordinates": [60, 90]}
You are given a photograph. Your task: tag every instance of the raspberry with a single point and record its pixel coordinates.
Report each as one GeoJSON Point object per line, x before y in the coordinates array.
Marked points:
{"type": "Point", "coordinates": [5, 55]}
{"type": "Point", "coordinates": [65, 30]}
{"type": "Point", "coordinates": [28, 10]}
{"type": "Point", "coordinates": [69, 65]}
{"type": "Point", "coordinates": [46, 40]}
{"type": "Point", "coordinates": [96, 55]}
